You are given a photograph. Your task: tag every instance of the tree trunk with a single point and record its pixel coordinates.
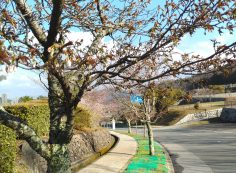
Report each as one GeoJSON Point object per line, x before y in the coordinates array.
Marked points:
{"type": "Point", "coordinates": [129, 127]}
{"type": "Point", "coordinates": [61, 114]}
{"type": "Point", "coordinates": [61, 127]}
{"type": "Point", "coordinates": [144, 130]}
{"type": "Point", "coordinates": [150, 139]}
{"type": "Point", "coordinates": [60, 160]}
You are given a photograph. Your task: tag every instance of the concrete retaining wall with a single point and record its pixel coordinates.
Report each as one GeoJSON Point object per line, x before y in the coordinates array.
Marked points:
{"type": "Point", "coordinates": [82, 145]}
{"type": "Point", "coordinates": [201, 116]}
{"type": "Point", "coordinates": [225, 114]}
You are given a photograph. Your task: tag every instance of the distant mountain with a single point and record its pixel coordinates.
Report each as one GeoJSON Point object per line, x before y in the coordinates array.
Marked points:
{"type": "Point", "coordinates": [224, 77]}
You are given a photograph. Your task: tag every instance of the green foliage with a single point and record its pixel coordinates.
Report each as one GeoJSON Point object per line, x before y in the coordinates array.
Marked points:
{"type": "Point", "coordinates": [36, 116]}
{"type": "Point", "coordinates": [85, 118]}
{"type": "Point", "coordinates": [7, 149]}
{"type": "Point", "coordinates": [165, 97]}
{"type": "Point", "coordinates": [25, 99]}
{"type": "Point", "coordinates": [42, 97]}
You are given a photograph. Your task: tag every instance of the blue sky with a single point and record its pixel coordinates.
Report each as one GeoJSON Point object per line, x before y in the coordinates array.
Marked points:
{"type": "Point", "coordinates": [20, 83]}
{"type": "Point", "coordinates": [201, 44]}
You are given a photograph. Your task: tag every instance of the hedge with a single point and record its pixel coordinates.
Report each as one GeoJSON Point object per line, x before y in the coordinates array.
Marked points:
{"type": "Point", "coordinates": [36, 114]}
{"type": "Point", "coordinates": [7, 149]}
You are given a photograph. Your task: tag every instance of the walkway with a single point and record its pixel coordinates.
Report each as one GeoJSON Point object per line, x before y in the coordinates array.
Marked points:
{"type": "Point", "coordinates": [117, 159]}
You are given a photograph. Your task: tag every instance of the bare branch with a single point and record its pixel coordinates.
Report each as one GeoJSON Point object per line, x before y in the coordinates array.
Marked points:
{"type": "Point", "coordinates": [33, 24]}
{"type": "Point", "coordinates": [55, 22]}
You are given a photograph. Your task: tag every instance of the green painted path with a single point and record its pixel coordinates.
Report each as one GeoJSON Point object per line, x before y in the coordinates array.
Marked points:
{"type": "Point", "coordinates": [142, 162]}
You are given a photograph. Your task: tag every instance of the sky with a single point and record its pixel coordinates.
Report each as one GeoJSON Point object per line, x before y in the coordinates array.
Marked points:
{"type": "Point", "coordinates": [20, 83]}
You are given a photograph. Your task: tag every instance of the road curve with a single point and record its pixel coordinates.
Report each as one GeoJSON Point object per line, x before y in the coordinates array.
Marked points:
{"type": "Point", "coordinates": [200, 149]}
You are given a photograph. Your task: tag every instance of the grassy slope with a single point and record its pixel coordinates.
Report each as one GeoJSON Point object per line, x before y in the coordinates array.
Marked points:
{"type": "Point", "coordinates": [176, 113]}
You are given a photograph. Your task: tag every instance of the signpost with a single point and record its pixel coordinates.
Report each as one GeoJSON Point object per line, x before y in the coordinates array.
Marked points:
{"type": "Point", "coordinates": [136, 99]}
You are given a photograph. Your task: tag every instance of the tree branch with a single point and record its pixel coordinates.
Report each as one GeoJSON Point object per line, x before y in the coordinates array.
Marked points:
{"type": "Point", "coordinates": [30, 19]}
{"type": "Point", "coordinates": [167, 72]}
{"type": "Point", "coordinates": [54, 27]}
{"type": "Point", "coordinates": [55, 21]}
{"type": "Point", "coordinates": [25, 132]}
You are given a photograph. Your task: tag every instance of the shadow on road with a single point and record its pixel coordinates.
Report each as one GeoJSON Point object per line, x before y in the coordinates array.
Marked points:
{"type": "Point", "coordinates": [178, 168]}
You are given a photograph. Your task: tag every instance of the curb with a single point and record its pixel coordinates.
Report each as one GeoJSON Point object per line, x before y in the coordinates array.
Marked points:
{"type": "Point", "coordinates": [79, 164]}
{"type": "Point", "coordinates": [168, 160]}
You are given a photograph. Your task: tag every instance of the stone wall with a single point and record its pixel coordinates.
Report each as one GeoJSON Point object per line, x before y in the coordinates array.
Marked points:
{"type": "Point", "coordinates": [201, 116]}
{"type": "Point", "coordinates": [82, 145]}
{"type": "Point", "coordinates": [225, 114]}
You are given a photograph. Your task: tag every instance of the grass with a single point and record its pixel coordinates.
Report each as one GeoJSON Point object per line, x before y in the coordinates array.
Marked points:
{"type": "Point", "coordinates": [171, 118]}
{"type": "Point", "coordinates": [203, 106]}
{"type": "Point", "coordinates": [176, 113]}
{"type": "Point", "coordinates": [143, 162]}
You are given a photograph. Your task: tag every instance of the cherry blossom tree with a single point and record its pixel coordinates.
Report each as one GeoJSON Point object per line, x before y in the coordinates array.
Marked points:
{"type": "Point", "coordinates": [125, 39]}
{"type": "Point", "coordinates": [156, 100]}
{"type": "Point", "coordinates": [125, 110]}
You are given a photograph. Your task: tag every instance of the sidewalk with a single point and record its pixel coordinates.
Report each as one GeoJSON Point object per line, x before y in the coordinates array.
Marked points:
{"type": "Point", "coordinates": [117, 159]}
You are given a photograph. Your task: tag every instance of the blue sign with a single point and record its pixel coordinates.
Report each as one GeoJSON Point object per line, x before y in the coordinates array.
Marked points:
{"type": "Point", "coordinates": [136, 99]}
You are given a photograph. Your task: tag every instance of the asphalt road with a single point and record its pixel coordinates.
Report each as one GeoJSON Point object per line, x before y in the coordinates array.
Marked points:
{"type": "Point", "coordinates": [200, 149]}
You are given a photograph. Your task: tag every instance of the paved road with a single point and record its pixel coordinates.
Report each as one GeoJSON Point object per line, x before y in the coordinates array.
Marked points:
{"type": "Point", "coordinates": [201, 149]}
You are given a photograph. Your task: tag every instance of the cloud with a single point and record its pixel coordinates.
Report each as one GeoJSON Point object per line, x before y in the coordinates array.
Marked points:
{"type": "Point", "coordinates": [226, 38]}
{"type": "Point", "coordinates": [19, 84]}
{"type": "Point", "coordinates": [201, 44]}
{"type": "Point", "coordinates": [87, 38]}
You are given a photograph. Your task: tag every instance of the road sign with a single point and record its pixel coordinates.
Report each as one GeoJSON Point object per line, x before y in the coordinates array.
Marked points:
{"type": "Point", "coordinates": [136, 99]}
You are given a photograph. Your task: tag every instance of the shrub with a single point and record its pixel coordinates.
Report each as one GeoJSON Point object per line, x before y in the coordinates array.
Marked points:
{"type": "Point", "coordinates": [25, 99]}
{"type": "Point", "coordinates": [85, 118]}
{"type": "Point", "coordinates": [7, 149]}
{"type": "Point", "coordinates": [217, 88]}
{"type": "Point", "coordinates": [36, 116]}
